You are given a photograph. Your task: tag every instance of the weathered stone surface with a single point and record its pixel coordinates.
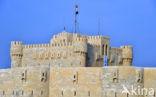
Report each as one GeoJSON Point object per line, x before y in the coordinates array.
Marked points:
{"type": "Point", "coordinates": [78, 81]}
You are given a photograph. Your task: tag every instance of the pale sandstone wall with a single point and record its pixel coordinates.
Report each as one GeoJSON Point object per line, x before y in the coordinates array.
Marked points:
{"type": "Point", "coordinates": [79, 81]}
{"type": "Point", "coordinates": [7, 82]}
{"type": "Point", "coordinates": [150, 79]}
{"type": "Point", "coordinates": [113, 79]}
{"type": "Point", "coordinates": [24, 82]}
{"type": "Point", "coordinates": [75, 82]}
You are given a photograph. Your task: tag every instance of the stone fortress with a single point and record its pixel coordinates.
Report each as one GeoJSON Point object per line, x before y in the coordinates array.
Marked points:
{"type": "Point", "coordinates": [72, 65]}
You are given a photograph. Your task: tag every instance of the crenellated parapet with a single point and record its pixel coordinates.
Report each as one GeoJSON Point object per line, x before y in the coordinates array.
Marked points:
{"type": "Point", "coordinates": [16, 48]}
{"type": "Point", "coordinates": [54, 45]}
{"type": "Point", "coordinates": [36, 46]}
{"type": "Point", "coordinates": [127, 54]}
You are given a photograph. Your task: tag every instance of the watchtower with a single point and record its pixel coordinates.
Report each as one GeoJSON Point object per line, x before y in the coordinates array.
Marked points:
{"type": "Point", "coordinates": [127, 55]}
{"type": "Point", "coordinates": [16, 53]}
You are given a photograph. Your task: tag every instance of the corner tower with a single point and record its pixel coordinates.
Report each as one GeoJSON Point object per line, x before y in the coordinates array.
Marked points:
{"type": "Point", "coordinates": [127, 55]}
{"type": "Point", "coordinates": [80, 50]}
{"type": "Point", "coordinates": [16, 53]}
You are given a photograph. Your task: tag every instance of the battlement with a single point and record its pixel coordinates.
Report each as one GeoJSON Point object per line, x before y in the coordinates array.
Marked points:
{"type": "Point", "coordinates": [116, 49]}
{"type": "Point", "coordinates": [127, 54]}
{"type": "Point", "coordinates": [126, 47]}
{"type": "Point", "coordinates": [48, 45]}
{"type": "Point", "coordinates": [98, 37]}
{"type": "Point", "coordinates": [79, 39]}
{"type": "Point", "coordinates": [36, 46]}
{"type": "Point", "coordinates": [16, 43]}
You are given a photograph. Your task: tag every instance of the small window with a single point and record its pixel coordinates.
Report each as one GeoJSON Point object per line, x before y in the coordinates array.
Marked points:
{"type": "Point", "coordinates": [88, 93]}
{"type": "Point", "coordinates": [127, 95]}
{"type": "Point", "coordinates": [3, 92]}
{"type": "Point", "coordinates": [22, 92]}
{"type": "Point", "coordinates": [115, 94]}
{"type": "Point", "coordinates": [62, 93]}
{"type": "Point", "coordinates": [74, 93]}
{"type": "Point", "coordinates": [13, 93]}
{"type": "Point", "coordinates": [32, 92]}
{"type": "Point", "coordinates": [23, 75]}
{"type": "Point", "coordinates": [74, 76]}
{"type": "Point", "coordinates": [41, 92]}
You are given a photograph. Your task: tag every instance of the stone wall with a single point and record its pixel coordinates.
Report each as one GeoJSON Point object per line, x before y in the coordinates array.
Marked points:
{"type": "Point", "coordinates": [75, 82]}
{"type": "Point", "coordinates": [24, 82]}
{"type": "Point", "coordinates": [150, 80]}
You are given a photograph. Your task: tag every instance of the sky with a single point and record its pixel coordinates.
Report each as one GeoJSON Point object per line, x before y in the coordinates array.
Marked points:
{"type": "Point", "coordinates": [126, 22]}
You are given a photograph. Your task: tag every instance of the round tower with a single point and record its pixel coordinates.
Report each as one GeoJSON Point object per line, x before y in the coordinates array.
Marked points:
{"type": "Point", "coordinates": [16, 53]}
{"type": "Point", "coordinates": [127, 55]}
{"type": "Point", "coordinates": [80, 51]}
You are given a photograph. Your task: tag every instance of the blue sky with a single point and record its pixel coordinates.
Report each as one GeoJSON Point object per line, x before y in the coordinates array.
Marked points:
{"type": "Point", "coordinates": [126, 22]}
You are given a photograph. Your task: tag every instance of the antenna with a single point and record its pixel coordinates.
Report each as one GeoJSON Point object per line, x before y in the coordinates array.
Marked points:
{"type": "Point", "coordinates": [64, 28]}
{"type": "Point", "coordinates": [99, 24]}
{"type": "Point", "coordinates": [76, 13]}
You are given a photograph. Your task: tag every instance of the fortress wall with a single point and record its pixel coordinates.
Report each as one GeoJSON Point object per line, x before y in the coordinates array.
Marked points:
{"type": "Point", "coordinates": [6, 82]}
{"type": "Point", "coordinates": [77, 82]}
{"type": "Point", "coordinates": [25, 82]}
{"type": "Point", "coordinates": [115, 56]}
{"type": "Point", "coordinates": [113, 79]}
{"type": "Point", "coordinates": [32, 81]}
{"type": "Point", "coordinates": [80, 81]}
{"type": "Point", "coordinates": [150, 79]}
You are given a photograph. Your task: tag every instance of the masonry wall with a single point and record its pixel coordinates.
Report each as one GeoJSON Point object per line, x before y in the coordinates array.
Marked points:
{"type": "Point", "coordinates": [7, 82]}
{"type": "Point", "coordinates": [42, 81]}
{"type": "Point", "coordinates": [24, 82]}
{"type": "Point", "coordinates": [75, 82]}
{"type": "Point", "coordinates": [114, 78]}
{"type": "Point", "coordinates": [150, 80]}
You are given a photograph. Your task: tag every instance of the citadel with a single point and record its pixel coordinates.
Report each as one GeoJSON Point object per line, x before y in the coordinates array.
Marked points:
{"type": "Point", "coordinates": [73, 65]}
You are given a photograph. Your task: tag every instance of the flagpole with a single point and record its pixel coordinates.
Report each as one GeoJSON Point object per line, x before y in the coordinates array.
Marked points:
{"type": "Point", "coordinates": [75, 19]}
{"type": "Point", "coordinates": [76, 12]}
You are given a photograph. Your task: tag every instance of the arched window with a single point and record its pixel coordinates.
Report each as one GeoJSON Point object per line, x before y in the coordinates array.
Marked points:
{"type": "Point", "coordinates": [103, 46]}
{"type": "Point", "coordinates": [106, 50]}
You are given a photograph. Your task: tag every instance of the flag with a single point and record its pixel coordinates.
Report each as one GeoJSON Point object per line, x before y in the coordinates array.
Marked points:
{"type": "Point", "coordinates": [77, 10]}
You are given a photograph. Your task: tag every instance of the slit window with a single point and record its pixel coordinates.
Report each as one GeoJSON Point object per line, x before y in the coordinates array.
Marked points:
{"type": "Point", "coordinates": [74, 93]}
{"type": "Point", "coordinates": [103, 46]}
{"type": "Point", "coordinates": [88, 93]}
{"type": "Point", "coordinates": [106, 50]}
{"type": "Point", "coordinates": [62, 93]}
